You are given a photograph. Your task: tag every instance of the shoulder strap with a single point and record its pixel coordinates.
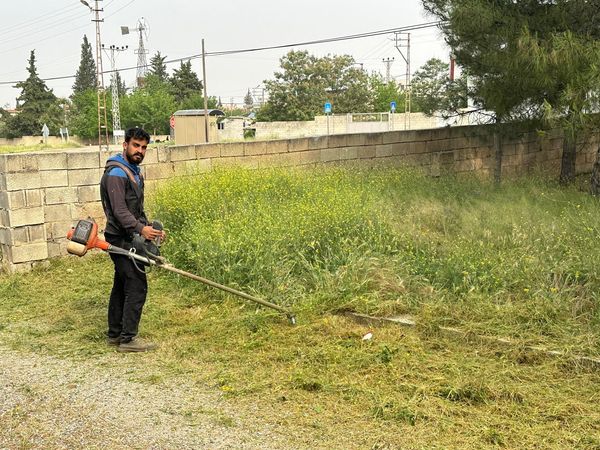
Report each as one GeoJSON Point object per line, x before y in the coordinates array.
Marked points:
{"type": "Point", "coordinates": [112, 164]}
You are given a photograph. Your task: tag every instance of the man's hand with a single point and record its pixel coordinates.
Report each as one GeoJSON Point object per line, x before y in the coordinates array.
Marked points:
{"type": "Point", "coordinates": [150, 233]}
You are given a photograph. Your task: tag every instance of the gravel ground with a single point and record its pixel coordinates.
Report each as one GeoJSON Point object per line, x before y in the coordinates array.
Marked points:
{"type": "Point", "coordinates": [52, 403]}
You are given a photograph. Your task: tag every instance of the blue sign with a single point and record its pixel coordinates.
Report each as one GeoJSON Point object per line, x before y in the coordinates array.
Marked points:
{"type": "Point", "coordinates": [327, 108]}
{"type": "Point", "coordinates": [393, 106]}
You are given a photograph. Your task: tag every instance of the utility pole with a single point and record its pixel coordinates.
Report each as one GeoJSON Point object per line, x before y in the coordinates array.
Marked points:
{"type": "Point", "coordinates": [388, 68]}
{"type": "Point", "coordinates": [101, 92]}
{"type": "Point", "coordinates": [204, 87]}
{"type": "Point", "coordinates": [116, 112]}
{"type": "Point", "coordinates": [402, 44]}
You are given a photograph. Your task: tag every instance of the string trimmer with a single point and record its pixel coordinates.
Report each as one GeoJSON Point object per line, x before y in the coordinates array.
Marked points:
{"type": "Point", "coordinates": [84, 237]}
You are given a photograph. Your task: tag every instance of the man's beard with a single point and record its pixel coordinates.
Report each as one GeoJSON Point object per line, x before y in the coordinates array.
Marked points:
{"type": "Point", "coordinates": [133, 160]}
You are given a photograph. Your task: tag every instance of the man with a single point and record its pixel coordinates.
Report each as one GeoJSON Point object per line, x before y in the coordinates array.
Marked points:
{"type": "Point", "coordinates": [122, 194]}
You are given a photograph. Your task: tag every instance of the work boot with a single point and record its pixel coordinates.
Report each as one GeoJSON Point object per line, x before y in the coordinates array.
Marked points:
{"type": "Point", "coordinates": [136, 345]}
{"type": "Point", "coordinates": [113, 340]}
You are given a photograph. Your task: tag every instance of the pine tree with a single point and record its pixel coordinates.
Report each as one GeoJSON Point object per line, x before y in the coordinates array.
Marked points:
{"type": "Point", "coordinates": [121, 85]}
{"type": "Point", "coordinates": [37, 104]}
{"type": "Point", "coordinates": [85, 78]}
{"type": "Point", "coordinates": [248, 102]}
{"type": "Point", "coordinates": [185, 82]}
{"type": "Point", "coordinates": [158, 67]}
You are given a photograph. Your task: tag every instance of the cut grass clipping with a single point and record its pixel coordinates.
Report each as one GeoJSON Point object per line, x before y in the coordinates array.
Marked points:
{"type": "Point", "coordinates": [516, 261]}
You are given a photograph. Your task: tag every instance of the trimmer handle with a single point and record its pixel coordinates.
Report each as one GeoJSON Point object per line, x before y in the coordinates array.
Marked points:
{"type": "Point", "coordinates": [157, 225]}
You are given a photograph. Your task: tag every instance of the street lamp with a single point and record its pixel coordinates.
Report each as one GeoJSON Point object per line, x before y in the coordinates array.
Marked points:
{"type": "Point", "coordinates": [86, 4]}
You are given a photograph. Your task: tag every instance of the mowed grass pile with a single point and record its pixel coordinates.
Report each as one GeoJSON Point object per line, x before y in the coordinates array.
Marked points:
{"type": "Point", "coordinates": [518, 260]}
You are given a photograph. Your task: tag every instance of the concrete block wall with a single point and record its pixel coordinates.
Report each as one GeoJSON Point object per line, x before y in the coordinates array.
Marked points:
{"type": "Point", "coordinates": [43, 194]}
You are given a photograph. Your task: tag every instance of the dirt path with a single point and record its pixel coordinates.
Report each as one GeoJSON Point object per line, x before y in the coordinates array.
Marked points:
{"type": "Point", "coordinates": [52, 403]}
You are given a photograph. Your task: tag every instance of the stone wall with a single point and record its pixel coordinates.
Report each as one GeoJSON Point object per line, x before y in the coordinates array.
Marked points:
{"type": "Point", "coordinates": [43, 194]}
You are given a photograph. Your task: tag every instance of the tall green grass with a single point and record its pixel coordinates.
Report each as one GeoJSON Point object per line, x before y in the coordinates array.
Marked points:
{"type": "Point", "coordinates": [521, 258]}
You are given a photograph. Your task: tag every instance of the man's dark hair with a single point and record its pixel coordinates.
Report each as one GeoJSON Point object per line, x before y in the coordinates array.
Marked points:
{"type": "Point", "coordinates": [137, 133]}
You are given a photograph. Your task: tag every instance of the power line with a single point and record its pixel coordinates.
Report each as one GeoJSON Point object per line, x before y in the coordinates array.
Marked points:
{"type": "Point", "coordinates": [52, 26]}
{"type": "Point", "coordinates": [272, 47]}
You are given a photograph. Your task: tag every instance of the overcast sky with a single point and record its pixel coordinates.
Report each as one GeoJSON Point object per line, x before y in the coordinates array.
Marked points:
{"type": "Point", "coordinates": [55, 30]}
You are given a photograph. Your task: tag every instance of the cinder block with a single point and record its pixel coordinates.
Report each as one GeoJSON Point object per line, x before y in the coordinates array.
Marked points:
{"type": "Point", "coordinates": [12, 200]}
{"type": "Point", "coordinates": [278, 146]}
{"type": "Point", "coordinates": [297, 145]}
{"type": "Point", "coordinates": [349, 152]}
{"type": "Point", "coordinates": [392, 137]}
{"type": "Point", "coordinates": [320, 142]}
{"type": "Point", "coordinates": [83, 160]}
{"type": "Point", "coordinates": [373, 138]}
{"type": "Point", "coordinates": [54, 178]}
{"type": "Point", "coordinates": [356, 139]}
{"type": "Point", "coordinates": [400, 148]}
{"type": "Point", "coordinates": [224, 162]}
{"type": "Point", "coordinates": [338, 140]}
{"type": "Point", "coordinates": [85, 177]}
{"type": "Point", "coordinates": [87, 194]}
{"type": "Point", "coordinates": [433, 146]}
{"type": "Point", "coordinates": [20, 163]}
{"type": "Point", "coordinates": [232, 149]}
{"type": "Point", "coordinates": [330, 154]}
{"type": "Point", "coordinates": [418, 147]}
{"type": "Point", "coordinates": [33, 197]}
{"type": "Point", "coordinates": [57, 248]}
{"type": "Point", "coordinates": [464, 166]}
{"type": "Point", "coordinates": [367, 152]}
{"type": "Point", "coordinates": [158, 171]}
{"type": "Point", "coordinates": [309, 157]}
{"type": "Point", "coordinates": [22, 180]}
{"type": "Point", "coordinates": [192, 167]}
{"type": "Point", "coordinates": [13, 236]}
{"type": "Point", "coordinates": [151, 156]}
{"type": "Point", "coordinates": [208, 151]}
{"type": "Point", "coordinates": [54, 196]}
{"type": "Point", "coordinates": [28, 252]}
{"type": "Point", "coordinates": [105, 156]}
{"type": "Point", "coordinates": [256, 148]}
{"type": "Point", "coordinates": [382, 151]}
{"type": "Point", "coordinates": [55, 213]}
{"type": "Point", "coordinates": [446, 157]}
{"type": "Point", "coordinates": [267, 161]}
{"type": "Point", "coordinates": [183, 153]}
{"type": "Point", "coordinates": [164, 154]}
{"type": "Point", "coordinates": [58, 230]}
{"type": "Point", "coordinates": [26, 216]}
{"type": "Point", "coordinates": [52, 161]}
{"type": "Point", "coordinates": [92, 209]}
{"type": "Point", "coordinates": [36, 233]}
{"type": "Point", "coordinates": [4, 222]}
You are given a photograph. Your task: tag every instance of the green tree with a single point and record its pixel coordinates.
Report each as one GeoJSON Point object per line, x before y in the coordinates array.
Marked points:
{"type": "Point", "coordinates": [185, 82]}
{"type": "Point", "coordinates": [306, 82]}
{"type": "Point", "coordinates": [37, 105]}
{"type": "Point", "coordinates": [384, 93]}
{"type": "Point", "coordinates": [248, 101]}
{"type": "Point", "coordinates": [83, 117]}
{"type": "Point", "coordinates": [149, 107]}
{"type": "Point", "coordinates": [158, 67]}
{"type": "Point", "coordinates": [121, 87]}
{"type": "Point", "coordinates": [532, 61]}
{"type": "Point", "coordinates": [433, 91]}
{"type": "Point", "coordinates": [85, 78]}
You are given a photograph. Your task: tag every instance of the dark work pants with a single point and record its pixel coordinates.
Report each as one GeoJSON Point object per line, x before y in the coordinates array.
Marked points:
{"type": "Point", "coordinates": [127, 298]}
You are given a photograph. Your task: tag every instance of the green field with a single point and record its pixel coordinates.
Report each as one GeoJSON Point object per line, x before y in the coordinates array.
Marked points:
{"type": "Point", "coordinates": [517, 261]}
